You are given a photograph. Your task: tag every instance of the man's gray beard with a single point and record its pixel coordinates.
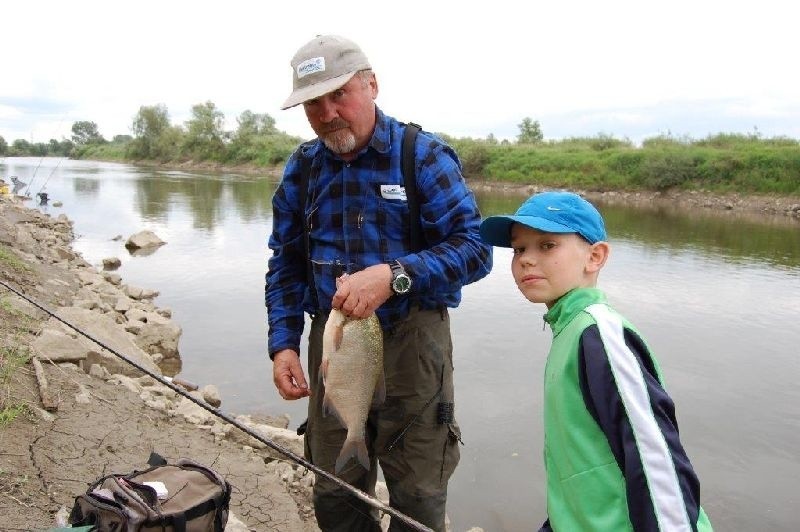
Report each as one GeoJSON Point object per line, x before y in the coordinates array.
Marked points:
{"type": "Point", "coordinates": [340, 141]}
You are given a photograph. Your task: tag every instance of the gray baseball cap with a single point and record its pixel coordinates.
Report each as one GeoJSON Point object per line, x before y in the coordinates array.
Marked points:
{"type": "Point", "coordinates": [323, 65]}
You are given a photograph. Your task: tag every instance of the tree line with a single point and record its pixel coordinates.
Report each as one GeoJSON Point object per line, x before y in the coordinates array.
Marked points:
{"type": "Point", "coordinates": [725, 162]}
{"type": "Point", "coordinates": [154, 137]}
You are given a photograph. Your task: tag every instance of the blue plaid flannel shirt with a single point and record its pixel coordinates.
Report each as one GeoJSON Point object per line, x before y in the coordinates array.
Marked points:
{"type": "Point", "coordinates": [356, 221]}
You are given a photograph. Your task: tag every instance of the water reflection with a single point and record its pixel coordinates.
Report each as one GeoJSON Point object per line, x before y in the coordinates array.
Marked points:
{"type": "Point", "coordinates": [84, 187]}
{"type": "Point", "coordinates": [204, 196]}
{"type": "Point", "coordinates": [739, 239]}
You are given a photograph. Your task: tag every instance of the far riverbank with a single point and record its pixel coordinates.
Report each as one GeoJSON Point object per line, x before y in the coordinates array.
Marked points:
{"type": "Point", "coordinates": [749, 205]}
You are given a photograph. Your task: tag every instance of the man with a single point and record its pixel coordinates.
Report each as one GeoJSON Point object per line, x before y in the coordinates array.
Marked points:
{"type": "Point", "coordinates": [358, 238]}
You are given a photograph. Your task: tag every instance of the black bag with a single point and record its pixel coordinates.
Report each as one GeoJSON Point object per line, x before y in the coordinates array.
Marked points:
{"type": "Point", "coordinates": [180, 497]}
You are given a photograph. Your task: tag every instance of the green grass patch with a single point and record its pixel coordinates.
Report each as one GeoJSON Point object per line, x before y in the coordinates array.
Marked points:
{"type": "Point", "coordinates": [11, 359]}
{"type": "Point", "coordinates": [11, 260]}
{"type": "Point", "coordinates": [9, 413]}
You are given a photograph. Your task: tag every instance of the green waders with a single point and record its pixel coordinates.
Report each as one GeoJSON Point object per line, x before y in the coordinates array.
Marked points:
{"type": "Point", "coordinates": [413, 435]}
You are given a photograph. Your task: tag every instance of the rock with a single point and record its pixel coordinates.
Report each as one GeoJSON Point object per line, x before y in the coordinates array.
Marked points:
{"type": "Point", "coordinates": [102, 328]}
{"type": "Point", "coordinates": [194, 413]}
{"type": "Point", "coordinates": [112, 278]}
{"type": "Point", "coordinates": [288, 439]}
{"type": "Point", "coordinates": [64, 253]}
{"type": "Point", "coordinates": [56, 345]}
{"type": "Point", "coordinates": [143, 240]}
{"type": "Point", "coordinates": [211, 395]}
{"type": "Point", "coordinates": [99, 372]}
{"type": "Point", "coordinates": [122, 305]}
{"type": "Point", "coordinates": [159, 338]}
{"type": "Point", "coordinates": [134, 292]}
{"type": "Point", "coordinates": [111, 263]}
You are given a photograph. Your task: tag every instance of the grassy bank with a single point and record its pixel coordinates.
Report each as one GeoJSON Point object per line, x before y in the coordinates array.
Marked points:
{"type": "Point", "coordinates": [13, 357]}
{"type": "Point", "coordinates": [722, 164]}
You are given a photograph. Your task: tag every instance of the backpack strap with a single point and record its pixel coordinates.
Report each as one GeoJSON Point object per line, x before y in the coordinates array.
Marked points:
{"type": "Point", "coordinates": [408, 166]}
{"type": "Point", "coordinates": [305, 173]}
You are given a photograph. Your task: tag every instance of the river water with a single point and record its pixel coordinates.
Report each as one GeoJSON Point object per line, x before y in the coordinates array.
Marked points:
{"type": "Point", "coordinates": [716, 296]}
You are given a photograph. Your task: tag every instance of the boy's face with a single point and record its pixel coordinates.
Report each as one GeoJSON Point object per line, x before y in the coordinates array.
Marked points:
{"type": "Point", "coordinates": [548, 265]}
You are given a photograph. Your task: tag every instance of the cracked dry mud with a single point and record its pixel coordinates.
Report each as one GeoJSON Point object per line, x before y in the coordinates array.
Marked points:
{"type": "Point", "coordinates": [47, 458]}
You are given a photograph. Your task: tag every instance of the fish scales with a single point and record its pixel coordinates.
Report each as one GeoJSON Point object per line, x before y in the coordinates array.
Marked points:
{"type": "Point", "coordinates": [352, 373]}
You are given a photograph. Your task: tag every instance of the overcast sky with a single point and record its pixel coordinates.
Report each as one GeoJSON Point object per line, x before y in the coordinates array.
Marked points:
{"type": "Point", "coordinates": [631, 69]}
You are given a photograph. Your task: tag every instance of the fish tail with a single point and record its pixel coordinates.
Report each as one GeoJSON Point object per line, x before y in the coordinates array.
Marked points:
{"type": "Point", "coordinates": [352, 448]}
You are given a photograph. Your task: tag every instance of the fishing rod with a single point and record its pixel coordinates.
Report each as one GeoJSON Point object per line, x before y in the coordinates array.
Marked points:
{"type": "Point", "coordinates": [33, 177]}
{"type": "Point", "coordinates": [53, 171]}
{"type": "Point", "coordinates": [372, 501]}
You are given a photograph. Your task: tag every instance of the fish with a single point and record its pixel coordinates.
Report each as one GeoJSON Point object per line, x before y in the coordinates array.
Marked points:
{"type": "Point", "coordinates": [353, 377]}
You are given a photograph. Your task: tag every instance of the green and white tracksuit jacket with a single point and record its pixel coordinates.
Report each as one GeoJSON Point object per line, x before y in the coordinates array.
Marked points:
{"type": "Point", "coordinates": [613, 456]}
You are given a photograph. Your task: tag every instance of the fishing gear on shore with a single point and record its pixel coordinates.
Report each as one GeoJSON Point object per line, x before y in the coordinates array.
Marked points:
{"type": "Point", "coordinates": [33, 177]}
{"type": "Point", "coordinates": [53, 171]}
{"type": "Point", "coordinates": [169, 383]}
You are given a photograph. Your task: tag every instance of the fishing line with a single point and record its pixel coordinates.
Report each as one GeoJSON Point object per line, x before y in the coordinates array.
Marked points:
{"type": "Point", "coordinates": [33, 177]}
{"type": "Point", "coordinates": [372, 501]}
{"type": "Point", "coordinates": [53, 171]}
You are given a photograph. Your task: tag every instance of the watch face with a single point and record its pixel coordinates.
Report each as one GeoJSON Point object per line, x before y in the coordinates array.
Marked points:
{"type": "Point", "coordinates": [401, 284]}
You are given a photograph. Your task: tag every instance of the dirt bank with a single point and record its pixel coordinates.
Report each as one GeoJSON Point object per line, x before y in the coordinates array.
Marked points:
{"type": "Point", "coordinates": [101, 424]}
{"type": "Point", "coordinates": [755, 206]}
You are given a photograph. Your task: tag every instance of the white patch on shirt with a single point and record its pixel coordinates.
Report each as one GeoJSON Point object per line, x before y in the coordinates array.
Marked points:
{"type": "Point", "coordinates": [310, 66]}
{"type": "Point", "coordinates": [657, 461]}
{"type": "Point", "coordinates": [393, 192]}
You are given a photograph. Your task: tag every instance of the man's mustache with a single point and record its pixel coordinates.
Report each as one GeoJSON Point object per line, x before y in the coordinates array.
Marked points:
{"type": "Point", "coordinates": [335, 124]}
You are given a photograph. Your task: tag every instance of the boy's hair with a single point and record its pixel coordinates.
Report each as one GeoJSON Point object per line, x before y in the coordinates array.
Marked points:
{"type": "Point", "coordinates": [550, 212]}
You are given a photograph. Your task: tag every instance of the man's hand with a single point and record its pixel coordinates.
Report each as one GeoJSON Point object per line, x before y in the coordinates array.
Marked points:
{"type": "Point", "coordinates": [359, 295]}
{"type": "Point", "coordinates": [288, 376]}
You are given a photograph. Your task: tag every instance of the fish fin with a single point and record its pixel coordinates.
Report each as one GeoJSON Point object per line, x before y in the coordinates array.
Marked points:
{"type": "Point", "coordinates": [329, 408]}
{"type": "Point", "coordinates": [323, 370]}
{"type": "Point", "coordinates": [338, 334]}
{"type": "Point", "coordinates": [352, 448]}
{"type": "Point", "coordinates": [380, 391]}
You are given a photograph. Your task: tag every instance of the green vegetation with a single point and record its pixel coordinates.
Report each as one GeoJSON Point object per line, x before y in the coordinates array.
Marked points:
{"type": "Point", "coordinates": [9, 258]}
{"type": "Point", "coordinates": [11, 359]}
{"type": "Point", "coordinates": [724, 162]}
{"type": "Point", "coordinates": [720, 163]}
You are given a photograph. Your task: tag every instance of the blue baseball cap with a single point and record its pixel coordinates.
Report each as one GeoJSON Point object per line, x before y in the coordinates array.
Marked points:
{"type": "Point", "coordinates": [551, 212]}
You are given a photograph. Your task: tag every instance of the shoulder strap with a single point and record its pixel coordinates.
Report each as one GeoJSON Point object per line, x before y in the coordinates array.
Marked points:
{"type": "Point", "coordinates": [305, 173]}
{"type": "Point", "coordinates": [408, 166]}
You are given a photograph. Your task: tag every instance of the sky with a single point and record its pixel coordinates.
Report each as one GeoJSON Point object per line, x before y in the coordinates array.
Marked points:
{"type": "Point", "coordinates": [630, 69]}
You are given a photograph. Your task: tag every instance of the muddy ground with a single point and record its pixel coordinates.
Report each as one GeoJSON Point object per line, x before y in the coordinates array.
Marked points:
{"type": "Point", "coordinates": [49, 457]}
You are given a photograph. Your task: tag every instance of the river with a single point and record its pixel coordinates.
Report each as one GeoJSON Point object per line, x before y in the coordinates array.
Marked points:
{"type": "Point", "coordinates": [716, 296]}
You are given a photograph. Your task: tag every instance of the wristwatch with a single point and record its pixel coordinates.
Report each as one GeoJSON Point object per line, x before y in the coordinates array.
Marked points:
{"type": "Point", "coordinates": [401, 282]}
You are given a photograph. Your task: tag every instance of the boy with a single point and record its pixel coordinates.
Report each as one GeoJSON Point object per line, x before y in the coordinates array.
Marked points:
{"type": "Point", "coordinates": [612, 453]}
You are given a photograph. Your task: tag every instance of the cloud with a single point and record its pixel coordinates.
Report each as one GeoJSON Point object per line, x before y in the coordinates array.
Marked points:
{"type": "Point", "coordinates": [626, 68]}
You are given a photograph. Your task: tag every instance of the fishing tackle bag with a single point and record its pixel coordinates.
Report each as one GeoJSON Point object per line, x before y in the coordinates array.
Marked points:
{"type": "Point", "coordinates": [181, 497]}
